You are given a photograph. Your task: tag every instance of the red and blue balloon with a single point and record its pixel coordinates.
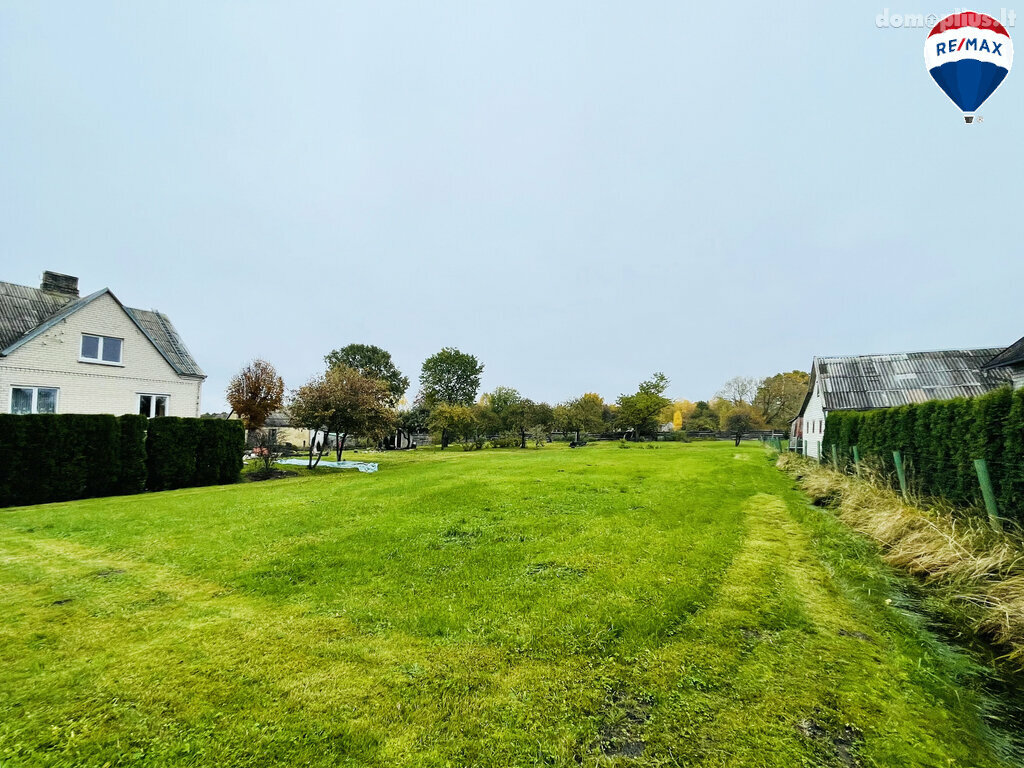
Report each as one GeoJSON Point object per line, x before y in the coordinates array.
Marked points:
{"type": "Point", "coordinates": [968, 54]}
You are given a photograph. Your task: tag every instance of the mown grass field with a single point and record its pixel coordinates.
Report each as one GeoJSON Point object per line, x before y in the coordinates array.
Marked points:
{"type": "Point", "coordinates": [677, 606]}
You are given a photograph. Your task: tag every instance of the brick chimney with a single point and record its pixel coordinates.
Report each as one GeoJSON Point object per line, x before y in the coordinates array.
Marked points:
{"type": "Point", "coordinates": [54, 282]}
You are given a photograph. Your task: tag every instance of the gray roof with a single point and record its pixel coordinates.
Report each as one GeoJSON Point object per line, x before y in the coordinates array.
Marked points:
{"type": "Point", "coordinates": [165, 337]}
{"type": "Point", "coordinates": [1012, 355]}
{"type": "Point", "coordinates": [277, 419]}
{"type": "Point", "coordinates": [863, 382]}
{"type": "Point", "coordinates": [24, 309]}
{"type": "Point", "coordinates": [26, 312]}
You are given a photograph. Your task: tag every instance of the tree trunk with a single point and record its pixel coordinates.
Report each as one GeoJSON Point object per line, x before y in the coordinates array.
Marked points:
{"type": "Point", "coordinates": [312, 464]}
{"type": "Point", "coordinates": [577, 437]}
{"type": "Point", "coordinates": [319, 454]}
{"type": "Point", "coordinates": [522, 433]}
{"type": "Point", "coordinates": [444, 438]}
{"type": "Point", "coordinates": [738, 436]}
{"type": "Point", "coordinates": [341, 444]}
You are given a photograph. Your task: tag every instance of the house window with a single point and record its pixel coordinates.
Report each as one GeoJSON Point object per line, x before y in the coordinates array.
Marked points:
{"type": "Point", "coordinates": [153, 406]}
{"type": "Point", "coordinates": [33, 400]}
{"type": "Point", "coordinates": [101, 349]}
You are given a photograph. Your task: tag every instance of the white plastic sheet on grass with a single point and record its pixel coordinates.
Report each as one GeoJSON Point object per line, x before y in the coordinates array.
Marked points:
{"type": "Point", "coordinates": [362, 466]}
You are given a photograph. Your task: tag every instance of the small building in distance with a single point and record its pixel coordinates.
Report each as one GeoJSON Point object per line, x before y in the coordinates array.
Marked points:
{"type": "Point", "coordinates": [279, 429]}
{"type": "Point", "coordinates": [868, 382]}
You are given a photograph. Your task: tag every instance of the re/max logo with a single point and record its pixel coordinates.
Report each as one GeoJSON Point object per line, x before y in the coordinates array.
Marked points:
{"type": "Point", "coordinates": [969, 44]}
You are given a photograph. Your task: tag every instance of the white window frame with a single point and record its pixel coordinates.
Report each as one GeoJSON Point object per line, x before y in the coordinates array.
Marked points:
{"type": "Point", "coordinates": [35, 398]}
{"type": "Point", "coordinates": [152, 403]}
{"type": "Point", "coordinates": [99, 350]}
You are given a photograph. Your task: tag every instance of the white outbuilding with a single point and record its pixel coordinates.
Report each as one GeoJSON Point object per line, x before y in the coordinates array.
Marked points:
{"type": "Point", "coordinates": [867, 382]}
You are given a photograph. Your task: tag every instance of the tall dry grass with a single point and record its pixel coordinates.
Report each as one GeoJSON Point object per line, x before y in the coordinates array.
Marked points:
{"type": "Point", "coordinates": [977, 571]}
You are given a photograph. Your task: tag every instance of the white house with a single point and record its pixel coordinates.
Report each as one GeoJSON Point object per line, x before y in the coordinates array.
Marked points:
{"type": "Point", "coordinates": [63, 353]}
{"type": "Point", "coordinates": [866, 382]}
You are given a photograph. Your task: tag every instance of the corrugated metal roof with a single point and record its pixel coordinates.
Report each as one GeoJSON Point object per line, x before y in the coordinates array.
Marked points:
{"type": "Point", "coordinates": [26, 311]}
{"type": "Point", "coordinates": [1012, 355]}
{"type": "Point", "coordinates": [863, 382]}
{"type": "Point", "coordinates": [164, 335]}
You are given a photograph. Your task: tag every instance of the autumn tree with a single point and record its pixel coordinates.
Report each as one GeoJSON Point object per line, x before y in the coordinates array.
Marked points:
{"type": "Point", "coordinates": [676, 413]}
{"type": "Point", "coordinates": [311, 408]}
{"type": "Point", "coordinates": [374, 363]}
{"type": "Point", "coordinates": [362, 405]}
{"type": "Point", "coordinates": [349, 404]}
{"type": "Point", "coordinates": [779, 397]}
{"type": "Point", "coordinates": [739, 389]}
{"type": "Point", "coordinates": [254, 393]}
{"type": "Point", "coordinates": [639, 412]}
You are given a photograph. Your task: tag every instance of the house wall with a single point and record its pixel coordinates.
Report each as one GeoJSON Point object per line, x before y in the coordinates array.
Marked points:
{"type": "Point", "coordinates": [1018, 377]}
{"type": "Point", "coordinates": [814, 423]}
{"type": "Point", "coordinates": [796, 434]}
{"type": "Point", "coordinates": [51, 360]}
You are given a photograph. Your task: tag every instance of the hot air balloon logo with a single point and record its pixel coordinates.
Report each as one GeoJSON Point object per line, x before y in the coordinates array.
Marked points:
{"type": "Point", "coordinates": [968, 54]}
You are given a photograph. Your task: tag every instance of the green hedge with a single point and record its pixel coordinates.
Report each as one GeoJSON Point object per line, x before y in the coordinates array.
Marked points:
{"type": "Point", "coordinates": [50, 457]}
{"type": "Point", "coordinates": [939, 441]}
{"type": "Point", "coordinates": [219, 459]}
{"type": "Point", "coordinates": [181, 453]}
{"type": "Point", "coordinates": [58, 457]}
{"type": "Point", "coordinates": [133, 454]}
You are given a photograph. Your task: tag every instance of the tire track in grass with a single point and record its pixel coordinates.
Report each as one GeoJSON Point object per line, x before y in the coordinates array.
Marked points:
{"type": "Point", "coordinates": [780, 657]}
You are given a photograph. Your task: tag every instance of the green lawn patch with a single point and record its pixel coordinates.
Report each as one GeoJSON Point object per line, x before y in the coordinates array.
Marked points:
{"type": "Point", "coordinates": [680, 606]}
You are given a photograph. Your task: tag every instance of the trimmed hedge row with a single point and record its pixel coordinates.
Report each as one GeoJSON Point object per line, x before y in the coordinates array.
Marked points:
{"type": "Point", "coordinates": [58, 457]}
{"type": "Point", "coordinates": [939, 441]}
{"type": "Point", "coordinates": [182, 453]}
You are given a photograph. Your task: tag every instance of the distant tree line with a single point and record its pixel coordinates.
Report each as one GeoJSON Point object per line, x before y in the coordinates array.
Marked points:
{"type": "Point", "coordinates": [361, 392]}
{"type": "Point", "coordinates": [742, 404]}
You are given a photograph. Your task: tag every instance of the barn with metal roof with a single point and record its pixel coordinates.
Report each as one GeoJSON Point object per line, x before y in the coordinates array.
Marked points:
{"type": "Point", "coordinates": [866, 382]}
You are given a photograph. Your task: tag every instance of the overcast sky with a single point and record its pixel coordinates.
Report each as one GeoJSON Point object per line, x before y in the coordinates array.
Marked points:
{"type": "Point", "coordinates": [579, 193]}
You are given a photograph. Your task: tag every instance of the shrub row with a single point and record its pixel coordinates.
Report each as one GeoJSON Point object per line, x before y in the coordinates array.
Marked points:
{"type": "Point", "coordinates": [182, 453]}
{"type": "Point", "coordinates": [58, 457]}
{"type": "Point", "coordinates": [939, 441]}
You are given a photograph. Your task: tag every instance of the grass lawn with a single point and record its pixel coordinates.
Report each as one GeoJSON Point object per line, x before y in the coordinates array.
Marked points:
{"type": "Point", "coordinates": [676, 606]}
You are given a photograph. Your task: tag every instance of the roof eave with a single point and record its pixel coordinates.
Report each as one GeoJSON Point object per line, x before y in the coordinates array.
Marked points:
{"type": "Point", "coordinates": [73, 307]}
{"type": "Point", "coordinates": [65, 312]}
